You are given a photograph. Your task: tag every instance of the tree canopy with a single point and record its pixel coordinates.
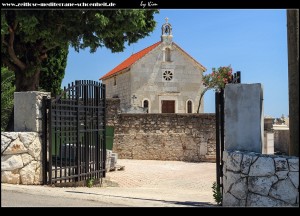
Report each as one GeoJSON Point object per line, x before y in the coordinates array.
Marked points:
{"type": "Point", "coordinates": [28, 36]}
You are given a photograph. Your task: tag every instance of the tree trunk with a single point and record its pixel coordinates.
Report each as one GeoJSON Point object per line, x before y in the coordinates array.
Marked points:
{"type": "Point", "coordinates": [293, 74]}
{"type": "Point", "coordinates": [25, 82]}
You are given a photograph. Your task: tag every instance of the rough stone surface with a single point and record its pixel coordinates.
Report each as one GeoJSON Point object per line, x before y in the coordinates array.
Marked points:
{"type": "Point", "coordinates": [294, 164]}
{"type": "Point", "coordinates": [230, 200]}
{"type": "Point", "coordinates": [164, 136]}
{"type": "Point", "coordinates": [21, 160]}
{"type": "Point", "coordinates": [263, 166]}
{"type": "Point", "coordinates": [255, 200]}
{"type": "Point", "coordinates": [239, 189]}
{"type": "Point", "coordinates": [261, 185]}
{"type": "Point", "coordinates": [11, 162]}
{"type": "Point", "coordinates": [294, 177]}
{"type": "Point", "coordinates": [281, 164]}
{"type": "Point", "coordinates": [234, 162]}
{"type": "Point", "coordinates": [282, 174]}
{"type": "Point", "coordinates": [28, 173]}
{"type": "Point", "coordinates": [16, 147]}
{"type": "Point", "coordinates": [284, 190]}
{"type": "Point", "coordinates": [4, 142]}
{"type": "Point", "coordinates": [27, 138]}
{"type": "Point", "coordinates": [10, 135]}
{"type": "Point", "coordinates": [9, 177]}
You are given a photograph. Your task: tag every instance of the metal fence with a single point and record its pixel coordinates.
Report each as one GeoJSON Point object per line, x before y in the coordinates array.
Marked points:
{"type": "Point", "coordinates": [74, 145]}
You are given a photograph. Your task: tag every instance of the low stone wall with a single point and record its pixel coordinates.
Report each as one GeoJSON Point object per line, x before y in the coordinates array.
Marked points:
{"type": "Point", "coordinates": [184, 137]}
{"type": "Point", "coordinates": [252, 179]}
{"type": "Point", "coordinates": [21, 158]}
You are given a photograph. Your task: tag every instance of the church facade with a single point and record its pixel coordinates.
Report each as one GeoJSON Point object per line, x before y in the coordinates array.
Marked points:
{"type": "Point", "coordinates": [161, 78]}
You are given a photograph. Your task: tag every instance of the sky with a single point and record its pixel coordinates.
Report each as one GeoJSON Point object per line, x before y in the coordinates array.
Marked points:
{"type": "Point", "coordinates": [253, 41]}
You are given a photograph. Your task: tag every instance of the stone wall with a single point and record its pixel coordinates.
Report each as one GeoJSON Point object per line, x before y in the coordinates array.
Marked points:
{"type": "Point", "coordinates": [253, 179]}
{"type": "Point", "coordinates": [21, 158]}
{"type": "Point", "coordinates": [184, 137]}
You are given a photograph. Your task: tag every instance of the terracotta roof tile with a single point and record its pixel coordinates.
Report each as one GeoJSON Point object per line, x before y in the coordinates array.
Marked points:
{"type": "Point", "coordinates": [129, 61]}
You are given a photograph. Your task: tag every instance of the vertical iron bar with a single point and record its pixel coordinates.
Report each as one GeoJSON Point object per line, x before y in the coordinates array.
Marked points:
{"type": "Point", "coordinates": [104, 129]}
{"type": "Point", "coordinates": [238, 74]}
{"type": "Point", "coordinates": [44, 143]}
{"type": "Point", "coordinates": [50, 141]}
{"type": "Point", "coordinates": [77, 93]}
{"type": "Point", "coordinates": [217, 103]}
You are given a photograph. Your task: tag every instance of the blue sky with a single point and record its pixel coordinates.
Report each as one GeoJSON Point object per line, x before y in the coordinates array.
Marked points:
{"type": "Point", "coordinates": [251, 41]}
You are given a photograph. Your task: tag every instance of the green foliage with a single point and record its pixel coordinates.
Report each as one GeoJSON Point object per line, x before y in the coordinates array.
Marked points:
{"type": "Point", "coordinates": [53, 70]}
{"type": "Point", "coordinates": [216, 80]}
{"type": "Point", "coordinates": [7, 95]}
{"type": "Point", "coordinates": [217, 194]}
{"type": "Point", "coordinates": [29, 35]}
{"type": "Point", "coordinates": [90, 182]}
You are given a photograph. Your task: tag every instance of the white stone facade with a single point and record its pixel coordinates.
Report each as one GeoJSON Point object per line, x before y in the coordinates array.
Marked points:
{"type": "Point", "coordinates": [166, 72]}
{"type": "Point", "coordinates": [257, 180]}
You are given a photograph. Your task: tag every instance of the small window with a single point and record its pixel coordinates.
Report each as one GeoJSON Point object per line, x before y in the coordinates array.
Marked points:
{"type": "Point", "coordinates": [146, 105]}
{"type": "Point", "coordinates": [168, 75]}
{"type": "Point", "coordinates": [167, 54]}
{"type": "Point", "coordinates": [115, 80]}
{"type": "Point", "coordinates": [189, 106]}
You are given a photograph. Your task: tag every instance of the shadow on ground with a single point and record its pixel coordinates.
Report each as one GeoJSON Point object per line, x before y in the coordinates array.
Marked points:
{"type": "Point", "coordinates": [183, 203]}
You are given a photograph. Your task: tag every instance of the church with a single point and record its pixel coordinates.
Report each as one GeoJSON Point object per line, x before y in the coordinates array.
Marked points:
{"type": "Point", "coordinates": [161, 78]}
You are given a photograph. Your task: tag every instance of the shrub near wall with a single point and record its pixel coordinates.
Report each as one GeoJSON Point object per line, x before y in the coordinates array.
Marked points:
{"type": "Point", "coordinates": [183, 137]}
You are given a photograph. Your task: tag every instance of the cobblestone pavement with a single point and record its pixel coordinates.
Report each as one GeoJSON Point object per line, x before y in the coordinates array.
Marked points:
{"type": "Point", "coordinates": [143, 183]}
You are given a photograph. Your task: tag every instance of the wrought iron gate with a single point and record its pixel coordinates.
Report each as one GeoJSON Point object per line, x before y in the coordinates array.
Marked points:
{"type": "Point", "coordinates": [74, 147]}
{"type": "Point", "coordinates": [219, 102]}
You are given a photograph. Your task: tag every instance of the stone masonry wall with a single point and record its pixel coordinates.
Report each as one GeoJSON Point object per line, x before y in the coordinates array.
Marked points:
{"type": "Point", "coordinates": [252, 179]}
{"type": "Point", "coordinates": [183, 137]}
{"type": "Point", "coordinates": [21, 158]}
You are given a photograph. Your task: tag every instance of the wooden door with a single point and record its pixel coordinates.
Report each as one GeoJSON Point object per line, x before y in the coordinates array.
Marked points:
{"type": "Point", "coordinates": [168, 106]}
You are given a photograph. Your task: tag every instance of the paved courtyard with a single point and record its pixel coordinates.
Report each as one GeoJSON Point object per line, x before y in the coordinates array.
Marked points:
{"type": "Point", "coordinates": [146, 183]}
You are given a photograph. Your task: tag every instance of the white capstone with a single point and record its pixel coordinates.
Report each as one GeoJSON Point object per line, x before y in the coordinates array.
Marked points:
{"type": "Point", "coordinates": [5, 141]}
{"type": "Point", "coordinates": [11, 162]}
{"type": "Point", "coordinates": [229, 200]}
{"type": "Point", "coordinates": [293, 164]}
{"type": "Point", "coordinates": [261, 185]}
{"type": "Point", "coordinates": [281, 164]}
{"type": "Point", "coordinates": [255, 200]}
{"type": "Point", "coordinates": [234, 161]}
{"type": "Point", "coordinates": [9, 177]}
{"type": "Point", "coordinates": [35, 148]}
{"type": "Point", "coordinates": [246, 162]}
{"type": "Point", "coordinates": [230, 179]}
{"type": "Point", "coordinates": [16, 147]}
{"type": "Point", "coordinates": [239, 189]}
{"type": "Point", "coordinates": [11, 135]}
{"type": "Point", "coordinates": [27, 138]}
{"type": "Point", "coordinates": [263, 166]}
{"type": "Point", "coordinates": [28, 173]}
{"type": "Point", "coordinates": [284, 190]}
{"type": "Point", "coordinates": [294, 176]}
{"type": "Point", "coordinates": [282, 174]}
{"type": "Point", "coordinates": [26, 158]}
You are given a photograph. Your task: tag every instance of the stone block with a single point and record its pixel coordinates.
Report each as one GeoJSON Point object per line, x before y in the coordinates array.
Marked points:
{"type": "Point", "coordinates": [28, 173]}
{"type": "Point", "coordinates": [27, 137]}
{"type": "Point", "coordinates": [284, 190]}
{"type": "Point", "coordinates": [294, 177]}
{"type": "Point", "coordinates": [239, 189]}
{"type": "Point", "coordinates": [9, 177]}
{"type": "Point", "coordinates": [11, 162]}
{"type": "Point", "coordinates": [244, 117]}
{"type": "Point", "coordinates": [10, 135]}
{"type": "Point", "coordinates": [281, 164]}
{"type": "Point", "coordinates": [229, 200]}
{"type": "Point", "coordinates": [16, 147]}
{"type": "Point", "coordinates": [261, 185]}
{"type": "Point", "coordinates": [4, 143]}
{"type": "Point", "coordinates": [234, 161]}
{"type": "Point", "coordinates": [246, 163]}
{"type": "Point", "coordinates": [293, 164]}
{"type": "Point", "coordinates": [263, 166]}
{"type": "Point", "coordinates": [282, 174]}
{"type": "Point", "coordinates": [255, 200]}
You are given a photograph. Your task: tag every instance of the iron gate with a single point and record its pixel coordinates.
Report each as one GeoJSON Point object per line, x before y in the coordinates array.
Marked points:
{"type": "Point", "coordinates": [74, 147]}
{"type": "Point", "coordinates": [219, 102]}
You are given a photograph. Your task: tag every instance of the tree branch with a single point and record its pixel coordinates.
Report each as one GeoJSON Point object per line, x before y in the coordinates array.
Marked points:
{"type": "Point", "coordinates": [11, 50]}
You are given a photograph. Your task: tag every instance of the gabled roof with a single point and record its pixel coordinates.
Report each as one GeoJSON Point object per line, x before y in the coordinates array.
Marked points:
{"type": "Point", "coordinates": [129, 61]}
